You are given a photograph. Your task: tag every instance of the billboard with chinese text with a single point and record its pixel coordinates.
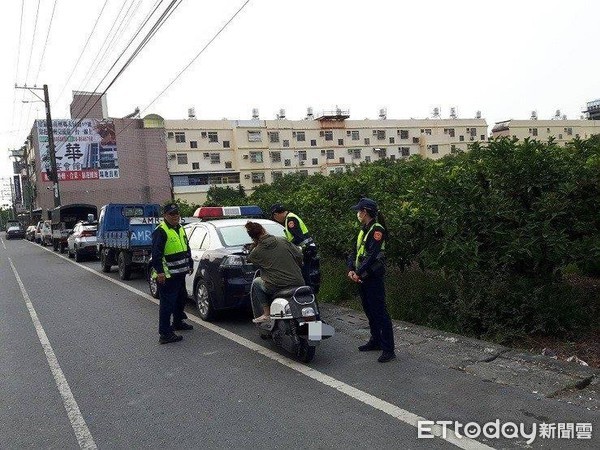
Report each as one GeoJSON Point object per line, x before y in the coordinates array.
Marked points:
{"type": "Point", "coordinates": [87, 152]}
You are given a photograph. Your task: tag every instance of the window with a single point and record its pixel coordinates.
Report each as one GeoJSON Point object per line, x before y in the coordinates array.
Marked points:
{"type": "Point", "coordinates": [258, 177]}
{"type": "Point", "coordinates": [315, 161]}
{"type": "Point", "coordinates": [382, 152]}
{"type": "Point", "coordinates": [300, 136]}
{"type": "Point", "coordinates": [453, 149]}
{"type": "Point", "coordinates": [405, 151]}
{"type": "Point", "coordinates": [302, 155]}
{"type": "Point", "coordinates": [569, 131]}
{"type": "Point", "coordinates": [276, 175]}
{"type": "Point", "coordinates": [329, 135]}
{"type": "Point", "coordinates": [533, 131]}
{"type": "Point", "coordinates": [197, 237]}
{"type": "Point", "coordinates": [195, 166]}
{"type": "Point", "coordinates": [193, 144]}
{"type": "Point", "coordinates": [355, 153]}
{"type": "Point", "coordinates": [182, 158]}
{"type": "Point", "coordinates": [392, 140]}
{"type": "Point", "coordinates": [274, 136]}
{"type": "Point", "coordinates": [434, 149]}
{"type": "Point", "coordinates": [367, 141]}
{"type": "Point", "coordinates": [228, 164]}
{"type": "Point", "coordinates": [330, 154]}
{"type": "Point", "coordinates": [203, 134]}
{"type": "Point", "coordinates": [313, 142]}
{"type": "Point", "coordinates": [215, 158]}
{"type": "Point", "coordinates": [380, 134]}
{"type": "Point", "coordinates": [342, 160]}
{"type": "Point", "coordinates": [340, 142]}
{"type": "Point", "coordinates": [560, 136]}
{"type": "Point", "coordinates": [367, 158]}
{"type": "Point", "coordinates": [213, 136]}
{"type": "Point", "coordinates": [287, 162]}
{"type": "Point", "coordinates": [355, 135]}
{"type": "Point", "coordinates": [415, 140]}
{"type": "Point", "coordinates": [548, 130]}
{"type": "Point", "coordinates": [474, 132]}
{"type": "Point", "coordinates": [226, 144]}
{"type": "Point", "coordinates": [275, 157]}
{"type": "Point", "coordinates": [461, 138]}
{"type": "Point", "coordinates": [393, 157]}
{"type": "Point", "coordinates": [450, 132]}
{"type": "Point", "coordinates": [403, 134]}
{"type": "Point", "coordinates": [483, 137]}
{"type": "Point", "coordinates": [179, 137]}
{"type": "Point", "coordinates": [256, 157]}
{"type": "Point", "coordinates": [254, 136]}
{"type": "Point", "coordinates": [426, 131]}
{"type": "Point", "coordinates": [286, 143]}
{"type": "Point", "coordinates": [303, 172]}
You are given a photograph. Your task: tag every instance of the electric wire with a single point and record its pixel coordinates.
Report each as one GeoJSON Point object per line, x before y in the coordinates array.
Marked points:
{"type": "Point", "coordinates": [82, 52]}
{"type": "Point", "coordinates": [157, 25]}
{"type": "Point", "coordinates": [188, 65]}
{"type": "Point", "coordinates": [17, 66]}
{"type": "Point", "coordinates": [45, 44]}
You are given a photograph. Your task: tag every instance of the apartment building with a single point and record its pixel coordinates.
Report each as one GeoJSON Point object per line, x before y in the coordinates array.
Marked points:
{"type": "Point", "coordinates": [561, 130]}
{"type": "Point", "coordinates": [205, 153]}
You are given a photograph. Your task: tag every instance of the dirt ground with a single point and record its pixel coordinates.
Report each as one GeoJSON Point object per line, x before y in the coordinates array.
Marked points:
{"type": "Point", "coordinates": [586, 348]}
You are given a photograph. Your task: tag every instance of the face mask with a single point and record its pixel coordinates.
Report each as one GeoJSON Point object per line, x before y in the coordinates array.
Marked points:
{"type": "Point", "coordinates": [358, 216]}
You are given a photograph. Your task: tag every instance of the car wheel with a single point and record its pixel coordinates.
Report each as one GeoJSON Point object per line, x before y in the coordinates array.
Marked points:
{"type": "Point", "coordinates": [78, 256]}
{"type": "Point", "coordinates": [204, 303]}
{"type": "Point", "coordinates": [124, 267]}
{"type": "Point", "coordinates": [152, 284]}
{"type": "Point", "coordinates": [104, 264]}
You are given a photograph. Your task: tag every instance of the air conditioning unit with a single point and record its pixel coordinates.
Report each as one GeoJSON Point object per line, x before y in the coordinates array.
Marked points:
{"type": "Point", "coordinates": [350, 151]}
{"type": "Point", "coordinates": [206, 155]}
{"type": "Point", "coordinates": [348, 133]}
{"type": "Point", "coordinates": [203, 134]}
{"type": "Point", "coordinates": [321, 133]}
{"type": "Point", "coordinates": [247, 176]}
{"type": "Point", "coordinates": [293, 134]}
{"type": "Point", "coordinates": [228, 164]}
{"type": "Point", "coordinates": [301, 163]}
{"type": "Point", "coordinates": [323, 152]}
{"type": "Point", "coordinates": [171, 156]}
{"type": "Point", "coordinates": [245, 156]}
{"type": "Point", "coordinates": [376, 150]}
{"type": "Point", "coordinates": [170, 135]}
{"type": "Point", "coordinates": [374, 132]}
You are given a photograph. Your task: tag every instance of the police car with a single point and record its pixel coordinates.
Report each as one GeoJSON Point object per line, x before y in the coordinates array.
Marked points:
{"type": "Point", "coordinates": [222, 278]}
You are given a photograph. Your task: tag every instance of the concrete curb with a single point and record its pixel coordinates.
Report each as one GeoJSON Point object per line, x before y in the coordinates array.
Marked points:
{"type": "Point", "coordinates": [538, 374]}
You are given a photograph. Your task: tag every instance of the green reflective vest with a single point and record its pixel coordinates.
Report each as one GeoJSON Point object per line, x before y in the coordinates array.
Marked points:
{"type": "Point", "coordinates": [175, 257]}
{"type": "Point", "coordinates": [361, 241]}
{"type": "Point", "coordinates": [289, 236]}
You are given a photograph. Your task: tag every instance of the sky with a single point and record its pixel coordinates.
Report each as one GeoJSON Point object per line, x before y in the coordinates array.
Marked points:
{"type": "Point", "coordinates": [504, 59]}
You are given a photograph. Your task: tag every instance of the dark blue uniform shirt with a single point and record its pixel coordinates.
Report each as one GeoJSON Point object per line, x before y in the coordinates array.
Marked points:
{"type": "Point", "coordinates": [372, 250]}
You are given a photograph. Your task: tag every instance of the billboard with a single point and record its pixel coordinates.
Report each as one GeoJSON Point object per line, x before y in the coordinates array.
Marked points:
{"type": "Point", "coordinates": [17, 191]}
{"type": "Point", "coordinates": [87, 152]}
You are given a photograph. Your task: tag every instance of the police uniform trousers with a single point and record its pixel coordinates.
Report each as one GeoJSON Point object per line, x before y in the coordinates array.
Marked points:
{"type": "Point", "coordinates": [372, 295]}
{"type": "Point", "coordinates": [173, 297]}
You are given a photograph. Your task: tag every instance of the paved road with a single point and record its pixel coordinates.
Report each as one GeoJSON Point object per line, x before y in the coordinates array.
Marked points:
{"type": "Point", "coordinates": [80, 365]}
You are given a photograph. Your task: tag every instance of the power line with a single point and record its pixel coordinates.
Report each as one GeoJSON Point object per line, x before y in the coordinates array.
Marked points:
{"type": "Point", "coordinates": [17, 65]}
{"type": "Point", "coordinates": [190, 63]}
{"type": "Point", "coordinates": [45, 44]}
{"type": "Point", "coordinates": [32, 41]}
{"type": "Point", "coordinates": [140, 28]}
{"type": "Point", "coordinates": [82, 51]}
{"type": "Point", "coordinates": [157, 25]}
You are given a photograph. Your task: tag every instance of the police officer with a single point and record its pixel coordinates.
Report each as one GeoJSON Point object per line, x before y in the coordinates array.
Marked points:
{"type": "Point", "coordinates": [366, 268]}
{"type": "Point", "coordinates": [297, 233]}
{"type": "Point", "coordinates": [171, 261]}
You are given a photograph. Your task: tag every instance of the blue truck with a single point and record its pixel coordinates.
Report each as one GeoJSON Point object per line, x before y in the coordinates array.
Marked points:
{"type": "Point", "coordinates": [124, 236]}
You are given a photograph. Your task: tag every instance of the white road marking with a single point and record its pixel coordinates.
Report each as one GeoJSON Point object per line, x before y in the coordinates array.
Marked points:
{"type": "Point", "coordinates": [82, 433]}
{"type": "Point", "coordinates": [388, 408]}
{"type": "Point", "coordinates": [3, 245]}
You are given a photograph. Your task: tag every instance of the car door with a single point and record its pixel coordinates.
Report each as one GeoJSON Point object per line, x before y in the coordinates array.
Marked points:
{"type": "Point", "coordinates": [198, 245]}
{"type": "Point", "coordinates": [71, 238]}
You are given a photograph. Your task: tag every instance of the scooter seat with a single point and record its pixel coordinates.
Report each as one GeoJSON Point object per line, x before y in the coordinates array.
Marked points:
{"type": "Point", "coordinates": [289, 292]}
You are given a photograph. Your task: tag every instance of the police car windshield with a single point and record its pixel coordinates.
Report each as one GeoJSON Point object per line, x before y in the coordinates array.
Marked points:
{"type": "Point", "coordinates": [236, 235]}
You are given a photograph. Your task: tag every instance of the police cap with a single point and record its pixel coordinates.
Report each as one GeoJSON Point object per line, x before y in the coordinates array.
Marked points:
{"type": "Point", "coordinates": [171, 208]}
{"type": "Point", "coordinates": [366, 203]}
{"type": "Point", "coordinates": [277, 208]}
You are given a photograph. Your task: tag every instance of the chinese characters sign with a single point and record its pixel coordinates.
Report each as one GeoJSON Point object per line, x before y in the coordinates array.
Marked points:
{"type": "Point", "coordinates": [88, 152]}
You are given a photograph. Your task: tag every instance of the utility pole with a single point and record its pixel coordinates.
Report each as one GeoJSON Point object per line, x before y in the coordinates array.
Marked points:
{"type": "Point", "coordinates": [51, 148]}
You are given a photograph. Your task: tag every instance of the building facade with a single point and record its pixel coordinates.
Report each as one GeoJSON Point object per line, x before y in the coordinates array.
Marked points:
{"type": "Point", "coordinates": [205, 153]}
{"type": "Point", "coordinates": [561, 130]}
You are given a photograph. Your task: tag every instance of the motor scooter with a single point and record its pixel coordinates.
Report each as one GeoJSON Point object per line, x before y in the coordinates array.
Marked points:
{"type": "Point", "coordinates": [295, 324]}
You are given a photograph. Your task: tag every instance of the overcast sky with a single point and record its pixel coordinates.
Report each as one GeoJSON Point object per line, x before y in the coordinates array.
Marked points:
{"type": "Point", "coordinates": [503, 58]}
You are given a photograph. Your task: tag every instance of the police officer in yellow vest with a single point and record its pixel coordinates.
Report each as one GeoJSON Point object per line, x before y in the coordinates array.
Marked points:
{"type": "Point", "coordinates": [366, 268]}
{"type": "Point", "coordinates": [297, 233]}
{"type": "Point", "coordinates": [171, 262]}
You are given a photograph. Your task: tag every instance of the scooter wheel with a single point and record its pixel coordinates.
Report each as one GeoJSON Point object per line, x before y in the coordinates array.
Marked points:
{"type": "Point", "coordinates": [306, 353]}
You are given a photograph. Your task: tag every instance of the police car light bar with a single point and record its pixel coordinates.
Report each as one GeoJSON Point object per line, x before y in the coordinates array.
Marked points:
{"type": "Point", "coordinates": [213, 212]}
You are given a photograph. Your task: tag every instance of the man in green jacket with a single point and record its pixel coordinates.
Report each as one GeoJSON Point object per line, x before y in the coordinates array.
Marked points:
{"type": "Point", "coordinates": [279, 262]}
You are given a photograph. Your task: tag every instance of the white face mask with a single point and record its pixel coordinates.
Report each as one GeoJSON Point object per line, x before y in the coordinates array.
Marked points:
{"type": "Point", "coordinates": [358, 216]}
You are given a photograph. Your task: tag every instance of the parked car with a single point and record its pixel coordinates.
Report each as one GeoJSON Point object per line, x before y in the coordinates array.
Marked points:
{"type": "Point", "coordinates": [38, 232]}
{"type": "Point", "coordinates": [46, 233]}
{"type": "Point", "coordinates": [81, 241]}
{"type": "Point", "coordinates": [30, 233]}
{"type": "Point", "coordinates": [221, 279]}
{"type": "Point", "coordinates": [15, 232]}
